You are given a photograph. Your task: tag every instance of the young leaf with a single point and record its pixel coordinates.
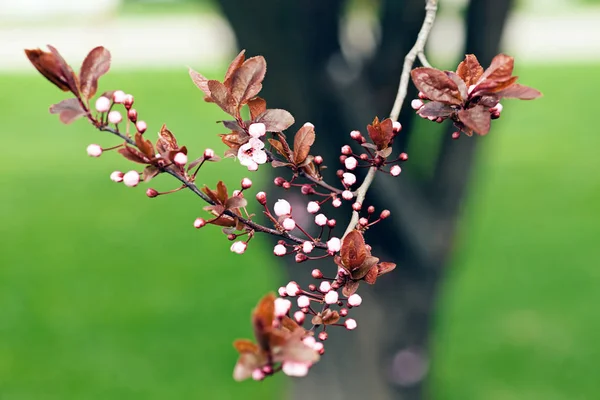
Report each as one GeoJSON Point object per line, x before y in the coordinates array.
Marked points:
{"type": "Point", "coordinates": [69, 110]}
{"type": "Point", "coordinates": [381, 133]}
{"type": "Point", "coordinates": [96, 64]}
{"type": "Point", "coordinates": [436, 85]}
{"type": "Point", "coordinates": [144, 145]}
{"type": "Point", "coordinates": [469, 70]}
{"type": "Point", "coordinates": [353, 252]}
{"type": "Point", "coordinates": [435, 109]}
{"type": "Point", "coordinates": [235, 202]}
{"type": "Point", "coordinates": [150, 172]}
{"type": "Point", "coordinates": [462, 87]}
{"type": "Point", "coordinates": [257, 106]}
{"type": "Point", "coordinates": [201, 83]}
{"type": "Point", "coordinates": [234, 66]}
{"type": "Point", "coordinates": [262, 319]}
{"type": "Point", "coordinates": [275, 119]}
{"type": "Point", "coordinates": [166, 141]}
{"type": "Point", "coordinates": [518, 91]}
{"type": "Point", "coordinates": [476, 118]}
{"type": "Point", "coordinates": [66, 71]}
{"type": "Point", "coordinates": [48, 65]}
{"type": "Point", "coordinates": [133, 154]}
{"type": "Point", "coordinates": [220, 95]}
{"type": "Point", "coordinates": [246, 81]}
{"type": "Point", "coordinates": [500, 68]}
{"type": "Point", "coordinates": [305, 137]}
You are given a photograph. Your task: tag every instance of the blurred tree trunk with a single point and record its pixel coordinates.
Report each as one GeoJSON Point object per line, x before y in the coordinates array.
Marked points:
{"type": "Point", "coordinates": [387, 357]}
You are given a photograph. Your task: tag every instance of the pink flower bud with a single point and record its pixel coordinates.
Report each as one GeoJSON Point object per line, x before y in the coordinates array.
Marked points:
{"type": "Point", "coordinates": [343, 312]}
{"type": "Point", "coordinates": [151, 193]}
{"type": "Point", "coordinates": [307, 247]}
{"type": "Point", "coordinates": [318, 347]}
{"type": "Point", "coordinates": [309, 341]}
{"type": "Point", "coordinates": [307, 189]}
{"type": "Point", "coordinates": [354, 300]}
{"type": "Point", "coordinates": [350, 163]}
{"type": "Point", "coordinates": [239, 247]}
{"type": "Point", "coordinates": [331, 223]}
{"type": "Point", "coordinates": [278, 181]}
{"type": "Point", "coordinates": [308, 124]}
{"type": "Point", "coordinates": [116, 176]}
{"type": "Point", "coordinates": [350, 324]}
{"type": "Point", "coordinates": [286, 185]}
{"type": "Point", "coordinates": [363, 221]}
{"type": "Point", "coordinates": [347, 195]}
{"type": "Point", "coordinates": [236, 193]}
{"type": "Point", "coordinates": [141, 126]}
{"type": "Point", "coordinates": [180, 159]}
{"type": "Point", "coordinates": [94, 150]}
{"type": "Point", "coordinates": [334, 244]}
{"type": "Point", "coordinates": [299, 317]}
{"type": "Point", "coordinates": [423, 96]}
{"type": "Point", "coordinates": [300, 257]}
{"type": "Point", "coordinates": [346, 150]}
{"type": "Point", "coordinates": [282, 291]}
{"type": "Point", "coordinates": [115, 117]}
{"type": "Point", "coordinates": [384, 214]}
{"type": "Point", "coordinates": [131, 178]}
{"type": "Point", "coordinates": [497, 108]}
{"type": "Point", "coordinates": [128, 101]}
{"type": "Point", "coordinates": [371, 209]}
{"type": "Point", "coordinates": [282, 207]}
{"type": "Point", "coordinates": [316, 273]}
{"type": "Point", "coordinates": [416, 104]}
{"type": "Point", "coordinates": [288, 224]}
{"type": "Point", "coordinates": [336, 202]}
{"type": "Point", "coordinates": [119, 97]}
{"type": "Point", "coordinates": [356, 135]}
{"type": "Point", "coordinates": [208, 154]}
{"type": "Point", "coordinates": [364, 157]}
{"type": "Point", "coordinates": [292, 289]}
{"type": "Point", "coordinates": [323, 335]}
{"type": "Point", "coordinates": [279, 250]}
{"type": "Point", "coordinates": [403, 156]}
{"type": "Point", "coordinates": [313, 207]}
{"type": "Point", "coordinates": [132, 115]}
{"type": "Point", "coordinates": [291, 368]}
{"type": "Point", "coordinates": [331, 297]}
{"type": "Point", "coordinates": [103, 104]}
{"type": "Point", "coordinates": [395, 170]}
{"type": "Point", "coordinates": [455, 135]}
{"type": "Point", "coordinates": [318, 160]}
{"type": "Point", "coordinates": [282, 307]}
{"type": "Point", "coordinates": [324, 287]}
{"type": "Point", "coordinates": [321, 220]}
{"type": "Point", "coordinates": [199, 223]}
{"type": "Point", "coordinates": [303, 301]}
{"type": "Point", "coordinates": [246, 183]}
{"type": "Point", "coordinates": [431, 118]}
{"type": "Point", "coordinates": [396, 126]}
{"type": "Point", "coordinates": [258, 375]}
{"type": "Point", "coordinates": [257, 129]}
{"type": "Point", "coordinates": [356, 206]}
{"type": "Point", "coordinates": [261, 197]}
{"type": "Point", "coordinates": [349, 178]}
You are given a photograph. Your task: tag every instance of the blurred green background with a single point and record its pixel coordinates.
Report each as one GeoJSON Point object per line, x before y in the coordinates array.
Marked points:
{"type": "Point", "coordinates": [105, 294]}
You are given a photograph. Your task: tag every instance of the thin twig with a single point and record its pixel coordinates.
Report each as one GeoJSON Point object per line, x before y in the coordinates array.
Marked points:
{"type": "Point", "coordinates": [416, 51]}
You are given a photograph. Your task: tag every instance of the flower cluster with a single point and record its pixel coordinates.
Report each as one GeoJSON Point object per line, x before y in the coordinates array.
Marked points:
{"type": "Point", "coordinates": [470, 98]}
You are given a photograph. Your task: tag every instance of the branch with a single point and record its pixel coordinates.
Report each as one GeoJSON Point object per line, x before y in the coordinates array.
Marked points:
{"type": "Point", "coordinates": [190, 185]}
{"type": "Point", "coordinates": [409, 60]}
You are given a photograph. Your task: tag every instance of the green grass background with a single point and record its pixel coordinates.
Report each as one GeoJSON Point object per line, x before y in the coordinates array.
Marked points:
{"type": "Point", "coordinates": [105, 294]}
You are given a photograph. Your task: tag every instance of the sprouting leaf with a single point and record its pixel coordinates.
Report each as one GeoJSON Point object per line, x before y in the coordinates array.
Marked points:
{"type": "Point", "coordinates": [235, 202]}
{"type": "Point", "coordinates": [69, 110]}
{"type": "Point", "coordinates": [67, 71]}
{"type": "Point", "coordinates": [353, 252]}
{"type": "Point", "coordinates": [201, 83]}
{"type": "Point", "coordinates": [381, 133]}
{"type": "Point", "coordinates": [144, 145]}
{"type": "Point", "coordinates": [246, 81]}
{"type": "Point", "coordinates": [305, 137]}
{"type": "Point", "coordinates": [150, 172]}
{"type": "Point", "coordinates": [234, 66]}
{"type": "Point", "coordinates": [262, 319]}
{"type": "Point", "coordinates": [166, 141]}
{"type": "Point", "coordinates": [500, 68]}
{"type": "Point", "coordinates": [435, 109]}
{"type": "Point", "coordinates": [49, 66]}
{"type": "Point", "coordinates": [477, 118]}
{"type": "Point", "coordinates": [436, 85]}
{"type": "Point", "coordinates": [257, 106]}
{"type": "Point", "coordinates": [133, 154]}
{"type": "Point", "coordinates": [220, 95]}
{"type": "Point", "coordinates": [96, 64]}
{"type": "Point", "coordinates": [275, 119]}
{"type": "Point", "coordinates": [518, 91]}
{"type": "Point", "coordinates": [462, 87]}
{"type": "Point", "coordinates": [469, 70]}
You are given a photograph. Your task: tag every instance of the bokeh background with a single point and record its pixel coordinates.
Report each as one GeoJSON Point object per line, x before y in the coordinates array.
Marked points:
{"type": "Point", "coordinates": [105, 294]}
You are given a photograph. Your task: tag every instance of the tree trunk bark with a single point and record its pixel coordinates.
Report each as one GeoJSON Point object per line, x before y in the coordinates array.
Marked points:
{"type": "Point", "coordinates": [387, 356]}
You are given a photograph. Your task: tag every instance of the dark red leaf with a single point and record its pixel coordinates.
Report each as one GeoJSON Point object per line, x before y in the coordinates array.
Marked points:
{"type": "Point", "coordinates": [235, 64]}
{"type": "Point", "coordinates": [66, 70]}
{"type": "Point", "coordinates": [262, 319]}
{"type": "Point", "coordinates": [381, 133]}
{"type": "Point", "coordinates": [436, 85]}
{"type": "Point", "coordinates": [518, 91]}
{"type": "Point", "coordinates": [469, 70]}
{"type": "Point", "coordinates": [353, 252]}
{"type": "Point", "coordinates": [96, 64]}
{"type": "Point", "coordinates": [435, 109]}
{"type": "Point", "coordinates": [462, 87]}
{"type": "Point", "coordinates": [275, 119]}
{"type": "Point", "coordinates": [385, 267]}
{"type": "Point", "coordinates": [257, 106]}
{"type": "Point", "coordinates": [133, 154]}
{"type": "Point", "coordinates": [350, 288]}
{"type": "Point", "coordinates": [235, 202]}
{"type": "Point", "coordinates": [69, 110]}
{"type": "Point", "coordinates": [305, 137]}
{"type": "Point", "coordinates": [246, 81]}
{"type": "Point", "coordinates": [277, 145]}
{"type": "Point", "coordinates": [477, 118]}
{"type": "Point", "coordinates": [150, 172]}
{"type": "Point", "coordinates": [49, 66]}
{"type": "Point", "coordinates": [201, 82]}
{"type": "Point", "coordinates": [166, 141]}
{"type": "Point", "coordinates": [500, 68]}
{"type": "Point", "coordinates": [490, 86]}
{"type": "Point", "coordinates": [144, 145]}
{"type": "Point", "coordinates": [220, 95]}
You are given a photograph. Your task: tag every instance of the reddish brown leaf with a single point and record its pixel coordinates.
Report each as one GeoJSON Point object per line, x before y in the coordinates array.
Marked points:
{"type": "Point", "coordinates": [330, 316]}
{"type": "Point", "coordinates": [381, 133]}
{"type": "Point", "coordinates": [220, 95]}
{"type": "Point", "coordinates": [222, 192]}
{"type": "Point", "coordinates": [275, 119]}
{"type": "Point", "coordinates": [166, 141]}
{"type": "Point", "coordinates": [500, 68]}
{"type": "Point", "coordinates": [144, 145]}
{"type": "Point", "coordinates": [66, 70]}
{"type": "Point", "coordinates": [490, 86]}
{"type": "Point", "coordinates": [235, 202]}
{"type": "Point", "coordinates": [470, 70]}
{"type": "Point", "coordinates": [69, 110]}
{"type": "Point", "coordinates": [279, 147]}
{"type": "Point", "coordinates": [48, 65]}
{"type": "Point", "coordinates": [96, 64]}
{"type": "Point", "coordinates": [235, 64]}
{"type": "Point", "coordinates": [245, 346]}
{"type": "Point", "coordinates": [257, 106]}
{"type": "Point", "coordinates": [150, 172]}
{"type": "Point", "coordinates": [262, 319]}
{"type": "Point", "coordinates": [371, 275]}
{"type": "Point", "coordinates": [435, 109]}
{"type": "Point", "coordinates": [305, 137]}
{"type": "Point", "coordinates": [477, 118]}
{"type": "Point", "coordinates": [385, 267]}
{"type": "Point", "coordinates": [462, 87]}
{"type": "Point", "coordinates": [246, 81]}
{"type": "Point", "coordinates": [436, 85]}
{"type": "Point", "coordinates": [133, 154]}
{"type": "Point", "coordinates": [350, 288]}
{"type": "Point", "coordinates": [518, 91]}
{"type": "Point", "coordinates": [353, 252]}
{"type": "Point", "coordinates": [200, 81]}
{"type": "Point", "coordinates": [364, 268]}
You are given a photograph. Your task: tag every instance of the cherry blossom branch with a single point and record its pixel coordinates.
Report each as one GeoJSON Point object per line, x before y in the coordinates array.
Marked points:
{"type": "Point", "coordinates": [417, 50]}
{"type": "Point", "coordinates": [198, 192]}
